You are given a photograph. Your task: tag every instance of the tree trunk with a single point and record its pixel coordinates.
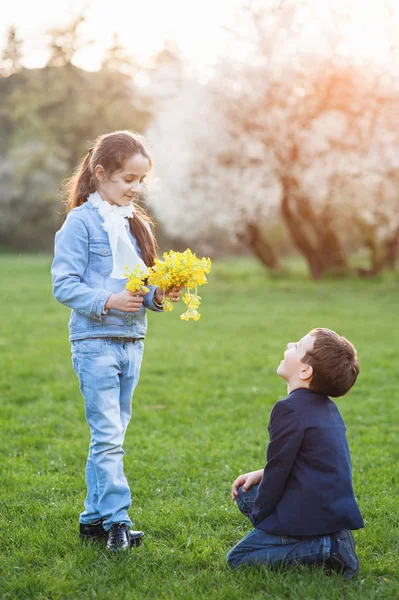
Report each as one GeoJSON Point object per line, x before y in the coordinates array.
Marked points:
{"type": "Point", "coordinates": [314, 237]}
{"type": "Point", "coordinates": [331, 250]}
{"type": "Point", "coordinates": [260, 247]}
{"type": "Point", "coordinates": [392, 250]}
{"type": "Point", "coordinates": [388, 258]}
{"type": "Point", "coordinates": [295, 226]}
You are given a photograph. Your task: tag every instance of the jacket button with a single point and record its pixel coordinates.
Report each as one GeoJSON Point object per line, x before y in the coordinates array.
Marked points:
{"type": "Point", "coordinates": [104, 252]}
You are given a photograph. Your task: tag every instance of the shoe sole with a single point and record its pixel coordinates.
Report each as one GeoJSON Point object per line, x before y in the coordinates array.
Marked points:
{"type": "Point", "coordinates": [133, 542]}
{"type": "Point", "coordinates": [119, 549]}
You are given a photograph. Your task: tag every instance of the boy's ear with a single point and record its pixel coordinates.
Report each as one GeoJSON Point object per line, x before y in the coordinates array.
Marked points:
{"type": "Point", "coordinates": [306, 372]}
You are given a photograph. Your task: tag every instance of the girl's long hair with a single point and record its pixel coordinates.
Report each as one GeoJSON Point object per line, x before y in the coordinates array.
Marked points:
{"type": "Point", "coordinates": [111, 151]}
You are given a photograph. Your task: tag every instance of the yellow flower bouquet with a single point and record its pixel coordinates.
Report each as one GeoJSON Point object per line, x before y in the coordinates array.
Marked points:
{"type": "Point", "coordinates": [177, 269]}
{"type": "Point", "coordinates": [181, 269]}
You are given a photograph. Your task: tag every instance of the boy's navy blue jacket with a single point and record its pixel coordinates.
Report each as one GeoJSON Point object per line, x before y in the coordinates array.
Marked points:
{"type": "Point", "coordinates": [306, 487]}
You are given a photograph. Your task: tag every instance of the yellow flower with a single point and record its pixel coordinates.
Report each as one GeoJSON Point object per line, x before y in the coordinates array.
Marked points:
{"type": "Point", "coordinates": [167, 304]}
{"type": "Point", "coordinates": [190, 313]}
{"type": "Point", "coordinates": [181, 269]}
{"type": "Point", "coordinates": [136, 279]}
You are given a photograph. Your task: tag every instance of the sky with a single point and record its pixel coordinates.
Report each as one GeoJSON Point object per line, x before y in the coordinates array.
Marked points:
{"type": "Point", "coordinates": [195, 25]}
{"type": "Point", "coordinates": [143, 25]}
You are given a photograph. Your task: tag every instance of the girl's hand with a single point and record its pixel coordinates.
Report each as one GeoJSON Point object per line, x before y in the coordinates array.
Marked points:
{"type": "Point", "coordinates": [247, 480]}
{"type": "Point", "coordinates": [126, 301]}
{"type": "Point", "coordinates": [174, 294]}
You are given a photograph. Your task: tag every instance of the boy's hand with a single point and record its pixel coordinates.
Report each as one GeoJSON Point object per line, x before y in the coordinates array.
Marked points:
{"type": "Point", "coordinates": [247, 480]}
{"type": "Point", "coordinates": [126, 301]}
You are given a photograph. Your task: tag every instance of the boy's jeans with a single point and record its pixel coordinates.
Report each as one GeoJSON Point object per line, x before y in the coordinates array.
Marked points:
{"type": "Point", "coordinates": [259, 547]}
{"type": "Point", "coordinates": [108, 370]}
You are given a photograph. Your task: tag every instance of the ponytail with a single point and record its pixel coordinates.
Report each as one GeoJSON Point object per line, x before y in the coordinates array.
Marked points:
{"type": "Point", "coordinates": [142, 228]}
{"type": "Point", "coordinates": [80, 185]}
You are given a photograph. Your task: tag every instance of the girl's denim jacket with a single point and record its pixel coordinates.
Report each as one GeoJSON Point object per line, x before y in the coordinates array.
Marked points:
{"type": "Point", "coordinates": [81, 279]}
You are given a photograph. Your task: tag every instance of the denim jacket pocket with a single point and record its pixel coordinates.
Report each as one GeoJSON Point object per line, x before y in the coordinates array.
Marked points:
{"type": "Point", "coordinates": [101, 257]}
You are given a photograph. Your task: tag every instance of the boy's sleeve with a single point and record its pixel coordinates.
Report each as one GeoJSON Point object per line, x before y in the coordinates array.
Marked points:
{"type": "Point", "coordinates": [286, 435]}
{"type": "Point", "coordinates": [71, 257]}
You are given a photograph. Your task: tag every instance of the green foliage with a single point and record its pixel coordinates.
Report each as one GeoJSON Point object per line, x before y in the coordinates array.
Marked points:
{"type": "Point", "coordinates": [199, 419]}
{"type": "Point", "coordinates": [66, 107]}
{"type": "Point", "coordinates": [48, 117]}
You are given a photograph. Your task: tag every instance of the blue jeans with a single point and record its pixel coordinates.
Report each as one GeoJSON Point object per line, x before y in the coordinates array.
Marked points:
{"type": "Point", "coordinates": [108, 370]}
{"type": "Point", "coordinates": [259, 547]}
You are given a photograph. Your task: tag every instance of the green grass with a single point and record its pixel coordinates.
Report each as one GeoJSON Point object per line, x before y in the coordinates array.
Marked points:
{"type": "Point", "coordinates": [200, 419]}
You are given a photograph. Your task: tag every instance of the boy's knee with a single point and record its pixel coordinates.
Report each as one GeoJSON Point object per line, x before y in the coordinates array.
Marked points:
{"type": "Point", "coordinates": [240, 491]}
{"type": "Point", "coordinates": [245, 501]}
{"type": "Point", "coordinates": [240, 496]}
{"type": "Point", "coordinates": [248, 495]}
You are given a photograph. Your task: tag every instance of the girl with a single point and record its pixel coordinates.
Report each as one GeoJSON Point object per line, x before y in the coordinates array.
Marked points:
{"type": "Point", "coordinates": [106, 230]}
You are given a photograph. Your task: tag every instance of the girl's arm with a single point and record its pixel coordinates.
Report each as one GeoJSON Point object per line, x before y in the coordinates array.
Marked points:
{"type": "Point", "coordinates": [150, 302]}
{"type": "Point", "coordinates": [71, 257]}
{"type": "Point", "coordinates": [154, 298]}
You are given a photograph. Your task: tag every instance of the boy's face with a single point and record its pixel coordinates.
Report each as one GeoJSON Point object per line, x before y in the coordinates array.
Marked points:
{"type": "Point", "coordinates": [292, 368]}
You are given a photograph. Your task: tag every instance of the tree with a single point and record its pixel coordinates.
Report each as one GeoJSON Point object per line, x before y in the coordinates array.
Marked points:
{"type": "Point", "coordinates": [203, 193]}
{"type": "Point", "coordinates": [48, 117]}
{"type": "Point", "coordinates": [65, 42]}
{"type": "Point", "coordinates": [287, 134]}
{"type": "Point", "coordinates": [30, 214]}
{"type": "Point", "coordinates": [12, 54]}
{"type": "Point", "coordinates": [117, 59]}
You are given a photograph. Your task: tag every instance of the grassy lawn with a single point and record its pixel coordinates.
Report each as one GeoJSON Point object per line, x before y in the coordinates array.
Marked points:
{"type": "Point", "coordinates": [200, 418]}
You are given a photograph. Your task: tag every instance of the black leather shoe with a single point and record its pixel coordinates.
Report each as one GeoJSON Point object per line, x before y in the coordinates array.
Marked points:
{"type": "Point", "coordinates": [96, 531]}
{"type": "Point", "coordinates": [135, 537]}
{"type": "Point", "coordinates": [93, 531]}
{"type": "Point", "coordinates": [345, 559]}
{"type": "Point", "coordinates": [118, 537]}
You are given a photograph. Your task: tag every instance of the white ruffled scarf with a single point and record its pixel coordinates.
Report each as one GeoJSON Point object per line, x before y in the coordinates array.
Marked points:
{"type": "Point", "coordinates": [123, 252]}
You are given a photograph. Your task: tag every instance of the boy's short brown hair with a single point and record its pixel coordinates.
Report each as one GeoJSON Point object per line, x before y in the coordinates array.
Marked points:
{"type": "Point", "coordinates": [334, 361]}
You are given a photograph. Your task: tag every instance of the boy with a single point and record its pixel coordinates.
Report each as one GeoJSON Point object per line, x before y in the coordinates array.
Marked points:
{"type": "Point", "coordinates": [302, 503]}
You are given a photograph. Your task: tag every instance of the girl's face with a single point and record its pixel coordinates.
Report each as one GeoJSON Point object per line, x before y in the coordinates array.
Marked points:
{"type": "Point", "coordinates": [124, 185]}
